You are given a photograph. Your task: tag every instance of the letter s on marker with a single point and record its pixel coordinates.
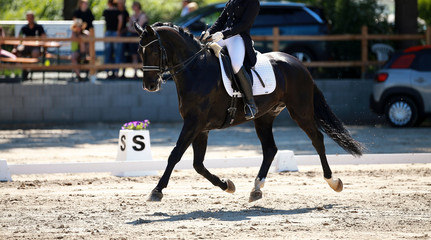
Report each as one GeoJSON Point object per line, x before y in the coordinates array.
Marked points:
{"type": "Point", "coordinates": [123, 143]}
{"type": "Point", "coordinates": [138, 139]}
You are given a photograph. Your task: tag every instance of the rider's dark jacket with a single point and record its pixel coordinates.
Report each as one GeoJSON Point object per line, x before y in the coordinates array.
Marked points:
{"type": "Point", "coordinates": [237, 18]}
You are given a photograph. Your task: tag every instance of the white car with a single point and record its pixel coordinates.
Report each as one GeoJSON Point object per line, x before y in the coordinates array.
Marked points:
{"type": "Point", "coordinates": [402, 88]}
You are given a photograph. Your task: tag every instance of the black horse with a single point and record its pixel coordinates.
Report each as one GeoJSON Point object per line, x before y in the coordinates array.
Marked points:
{"type": "Point", "coordinates": [203, 102]}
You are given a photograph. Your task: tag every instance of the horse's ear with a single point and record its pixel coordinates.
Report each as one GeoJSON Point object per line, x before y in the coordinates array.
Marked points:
{"type": "Point", "coordinates": [150, 30]}
{"type": "Point", "coordinates": [138, 28]}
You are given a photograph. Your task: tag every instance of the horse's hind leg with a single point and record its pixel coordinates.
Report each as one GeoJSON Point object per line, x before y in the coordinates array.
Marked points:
{"type": "Point", "coordinates": [199, 150]}
{"type": "Point", "coordinates": [263, 126]}
{"type": "Point", "coordinates": [308, 124]}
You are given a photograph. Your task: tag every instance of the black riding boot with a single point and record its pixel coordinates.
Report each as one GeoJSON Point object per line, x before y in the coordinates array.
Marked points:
{"type": "Point", "coordinates": [245, 82]}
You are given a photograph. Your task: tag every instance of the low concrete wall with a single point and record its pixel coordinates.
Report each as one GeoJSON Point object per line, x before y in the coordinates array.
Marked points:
{"type": "Point", "coordinates": [126, 101]}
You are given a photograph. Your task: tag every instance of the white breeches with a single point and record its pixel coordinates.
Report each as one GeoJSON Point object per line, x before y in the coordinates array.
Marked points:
{"type": "Point", "coordinates": [236, 48]}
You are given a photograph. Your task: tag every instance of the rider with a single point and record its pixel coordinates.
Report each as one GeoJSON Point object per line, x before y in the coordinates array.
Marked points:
{"type": "Point", "coordinates": [232, 29]}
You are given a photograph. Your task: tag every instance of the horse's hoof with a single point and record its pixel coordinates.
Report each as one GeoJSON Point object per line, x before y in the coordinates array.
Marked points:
{"type": "Point", "coordinates": [337, 185]}
{"type": "Point", "coordinates": [230, 186]}
{"type": "Point", "coordinates": [255, 195]}
{"type": "Point", "coordinates": [155, 196]}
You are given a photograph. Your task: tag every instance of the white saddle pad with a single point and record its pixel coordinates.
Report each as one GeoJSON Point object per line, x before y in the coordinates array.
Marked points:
{"type": "Point", "coordinates": [264, 68]}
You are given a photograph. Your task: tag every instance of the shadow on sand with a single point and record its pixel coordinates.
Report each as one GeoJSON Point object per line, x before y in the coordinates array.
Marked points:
{"type": "Point", "coordinates": [222, 215]}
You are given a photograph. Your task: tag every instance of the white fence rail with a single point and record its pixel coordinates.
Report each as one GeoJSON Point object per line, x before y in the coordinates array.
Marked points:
{"type": "Point", "coordinates": [284, 161]}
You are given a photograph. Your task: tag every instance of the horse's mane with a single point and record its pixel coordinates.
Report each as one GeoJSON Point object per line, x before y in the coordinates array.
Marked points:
{"type": "Point", "coordinates": [183, 32]}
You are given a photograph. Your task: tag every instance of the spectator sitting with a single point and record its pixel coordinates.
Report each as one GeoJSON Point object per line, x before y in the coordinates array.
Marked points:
{"type": "Point", "coordinates": [78, 48]}
{"type": "Point", "coordinates": [32, 29]}
{"type": "Point", "coordinates": [141, 18]}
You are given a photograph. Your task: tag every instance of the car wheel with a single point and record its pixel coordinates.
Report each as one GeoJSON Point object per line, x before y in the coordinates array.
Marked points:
{"type": "Point", "coordinates": [302, 54]}
{"type": "Point", "coordinates": [401, 112]}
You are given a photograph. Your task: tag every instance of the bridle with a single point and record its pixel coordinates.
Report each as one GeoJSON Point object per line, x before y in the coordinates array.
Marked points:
{"type": "Point", "coordinates": [163, 62]}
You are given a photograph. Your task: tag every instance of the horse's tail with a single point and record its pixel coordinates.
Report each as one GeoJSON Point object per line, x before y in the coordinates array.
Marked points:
{"type": "Point", "coordinates": [332, 126]}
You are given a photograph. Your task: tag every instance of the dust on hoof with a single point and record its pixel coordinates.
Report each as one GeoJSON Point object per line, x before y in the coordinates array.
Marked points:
{"type": "Point", "coordinates": [230, 186]}
{"type": "Point", "coordinates": [155, 196]}
{"type": "Point", "coordinates": [255, 195]}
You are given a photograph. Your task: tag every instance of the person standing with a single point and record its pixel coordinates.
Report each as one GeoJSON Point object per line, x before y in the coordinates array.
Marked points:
{"type": "Point", "coordinates": [185, 8]}
{"type": "Point", "coordinates": [84, 13]}
{"type": "Point", "coordinates": [78, 48]}
{"type": "Point", "coordinates": [121, 32]}
{"type": "Point", "coordinates": [113, 21]}
{"type": "Point", "coordinates": [232, 29]}
{"type": "Point", "coordinates": [141, 18]}
{"type": "Point", "coordinates": [84, 17]}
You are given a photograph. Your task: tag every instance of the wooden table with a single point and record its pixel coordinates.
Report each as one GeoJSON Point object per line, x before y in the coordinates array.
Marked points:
{"type": "Point", "coordinates": [32, 43]}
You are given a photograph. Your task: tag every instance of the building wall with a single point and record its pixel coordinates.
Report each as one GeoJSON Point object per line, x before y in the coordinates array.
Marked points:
{"type": "Point", "coordinates": [126, 101]}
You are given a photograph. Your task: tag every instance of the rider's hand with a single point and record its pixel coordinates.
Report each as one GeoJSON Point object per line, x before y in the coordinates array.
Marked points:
{"type": "Point", "coordinates": [217, 36]}
{"type": "Point", "coordinates": [204, 35]}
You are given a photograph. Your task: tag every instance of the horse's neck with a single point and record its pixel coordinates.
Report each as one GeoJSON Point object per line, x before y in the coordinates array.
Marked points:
{"type": "Point", "coordinates": [179, 47]}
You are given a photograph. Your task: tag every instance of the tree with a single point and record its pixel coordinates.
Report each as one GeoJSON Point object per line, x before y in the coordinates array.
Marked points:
{"type": "Point", "coordinates": [424, 7]}
{"type": "Point", "coordinates": [68, 7]}
{"type": "Point", "coordinates": [43, 10]}
{"type": "Point", "coordinates": [406, 15]}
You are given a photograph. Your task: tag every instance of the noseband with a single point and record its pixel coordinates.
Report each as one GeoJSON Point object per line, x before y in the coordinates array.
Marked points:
{"type": "Point", "coordinates": [163, 62]}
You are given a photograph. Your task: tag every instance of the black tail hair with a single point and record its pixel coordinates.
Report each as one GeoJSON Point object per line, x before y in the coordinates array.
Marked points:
{"type": "Point", "coordinates": [332, 126]}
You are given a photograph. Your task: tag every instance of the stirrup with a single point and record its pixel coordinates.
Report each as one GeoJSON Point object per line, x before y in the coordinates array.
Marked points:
{"type": "Point", "coordinates": [250, 112]}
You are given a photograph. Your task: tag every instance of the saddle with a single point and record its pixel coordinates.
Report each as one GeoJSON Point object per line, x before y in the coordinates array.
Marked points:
{"type": "Point", "coordinates": [227, 65]}
{"type": "Point", "coordinates": [262, 71]}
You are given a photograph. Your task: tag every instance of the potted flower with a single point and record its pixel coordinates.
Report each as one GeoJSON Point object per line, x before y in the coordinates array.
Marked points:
{"type": "Point", "coordinates": [136, 125]}
{"type": "Point", "coordinates": [134, 145]}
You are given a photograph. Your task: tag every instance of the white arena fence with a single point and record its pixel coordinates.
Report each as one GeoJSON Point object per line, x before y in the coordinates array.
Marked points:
{"type": "Point", "coordinates": [284, 161]}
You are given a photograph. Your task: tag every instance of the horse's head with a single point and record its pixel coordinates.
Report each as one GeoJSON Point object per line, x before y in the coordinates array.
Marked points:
{"type": "Point", "coordinates": [153, 57]}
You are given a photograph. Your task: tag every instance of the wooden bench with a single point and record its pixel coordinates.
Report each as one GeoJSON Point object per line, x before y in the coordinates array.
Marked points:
{"type": "Point", "coordinates": [19, 60]}
{"type": "Point", "coordinates": [62, 57]}
{"type": "Point", "coordinates": [11, 59]}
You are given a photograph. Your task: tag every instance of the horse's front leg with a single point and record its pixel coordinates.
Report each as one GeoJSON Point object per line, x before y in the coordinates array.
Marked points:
{"type": "Point", "coordinates": [263, 126]}
{"type": "Point", "coordinates": [199, 150]}
{"type": "Point", "coordinates": [188, 133]}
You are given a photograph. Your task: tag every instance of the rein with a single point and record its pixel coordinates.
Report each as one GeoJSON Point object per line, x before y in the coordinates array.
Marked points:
{"type": "Point", "coordinates": [163, 62]}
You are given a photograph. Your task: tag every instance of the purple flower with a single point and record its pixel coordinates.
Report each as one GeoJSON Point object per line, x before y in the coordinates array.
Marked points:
{"type": "Point", "coordinates": [136, 125]}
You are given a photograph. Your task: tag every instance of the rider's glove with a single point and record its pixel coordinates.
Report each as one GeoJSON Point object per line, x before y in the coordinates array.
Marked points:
{"type": "Point", "coordinates": [204, 35]}
{"type": "Point", "coordinates": [217, 36]}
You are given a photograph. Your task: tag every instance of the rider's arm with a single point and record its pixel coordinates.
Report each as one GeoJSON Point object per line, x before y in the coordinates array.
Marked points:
{"type": "Point", "coordinates": [219, 24]}
{"type": "Point", "coordinates": [246, 22]}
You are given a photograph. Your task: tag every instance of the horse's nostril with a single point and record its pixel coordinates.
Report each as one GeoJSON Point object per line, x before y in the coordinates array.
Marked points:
{"type": "Point", "coordinates": [152, 87]}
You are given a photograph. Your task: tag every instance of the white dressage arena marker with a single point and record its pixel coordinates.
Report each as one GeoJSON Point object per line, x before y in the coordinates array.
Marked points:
{"type": "Point", "coordinates": [134, 145]}
{"type": "Point", "coordinates": [286, 161]}
{"type": "Point", "coordinates": [4, 172]}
